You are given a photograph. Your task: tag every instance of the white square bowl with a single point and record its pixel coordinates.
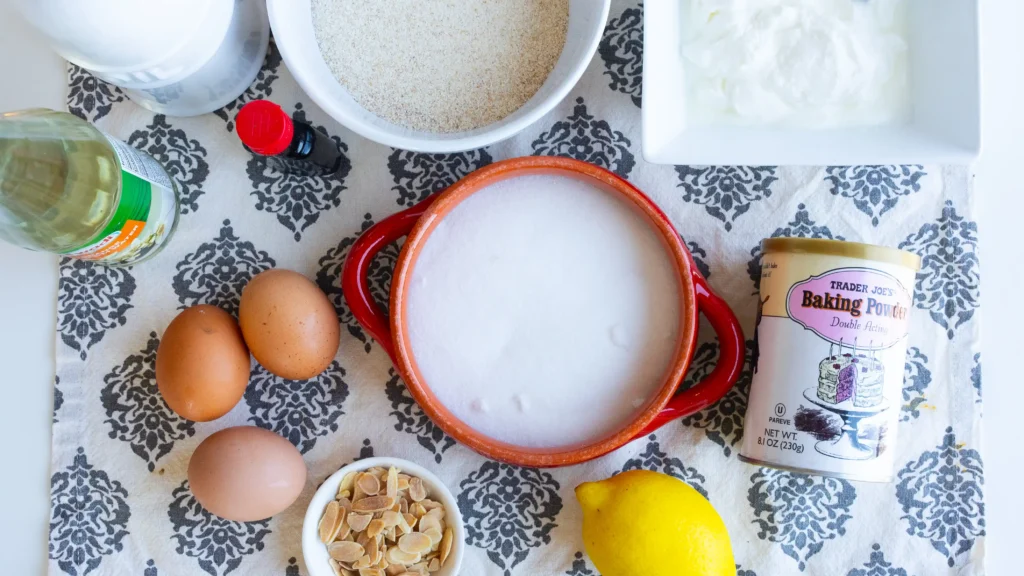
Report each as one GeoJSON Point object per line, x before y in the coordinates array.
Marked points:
{"type": "Point", "coordinates": [945, 124]}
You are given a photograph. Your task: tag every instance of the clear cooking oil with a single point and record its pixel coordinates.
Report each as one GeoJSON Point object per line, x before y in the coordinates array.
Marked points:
{"type": "Point", "coordinates": [68, 188]}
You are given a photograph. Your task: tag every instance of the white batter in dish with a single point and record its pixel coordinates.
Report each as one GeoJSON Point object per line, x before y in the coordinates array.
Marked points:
{"type": "Point", "coordinates": [801, 63]}
{"type": "Point", "coordinates": [544, 311]}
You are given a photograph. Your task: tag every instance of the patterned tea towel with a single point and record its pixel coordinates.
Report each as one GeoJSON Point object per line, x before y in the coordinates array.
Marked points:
{"type": "Point", "coordinates": [120, 500]}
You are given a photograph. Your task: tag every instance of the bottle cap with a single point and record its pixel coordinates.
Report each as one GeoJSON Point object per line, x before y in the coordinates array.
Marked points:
{"type": "Point", "coordinates": [264, 127]}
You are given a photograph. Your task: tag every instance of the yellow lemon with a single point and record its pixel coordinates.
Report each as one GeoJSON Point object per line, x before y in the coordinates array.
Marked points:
{"type": "Point", "coordinates": [642, 523]}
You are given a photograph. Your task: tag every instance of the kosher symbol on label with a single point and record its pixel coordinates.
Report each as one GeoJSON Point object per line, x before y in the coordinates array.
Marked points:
{"type": "Point", "coordinates": [858, 307]}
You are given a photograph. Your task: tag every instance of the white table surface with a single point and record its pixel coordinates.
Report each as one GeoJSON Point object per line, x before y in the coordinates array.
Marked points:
{"type": "Point", "coordinates": [32, 76]}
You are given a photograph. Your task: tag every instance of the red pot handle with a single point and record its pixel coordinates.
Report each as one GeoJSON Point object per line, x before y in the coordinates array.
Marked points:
{"type": "Point", "coordinates": [731, 347]}
{"type": "Point", "coordinates": [355, 277]}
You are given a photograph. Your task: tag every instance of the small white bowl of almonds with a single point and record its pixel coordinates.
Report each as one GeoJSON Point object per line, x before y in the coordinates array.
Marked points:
{"type": "Point", "coordinates": [383, 517]}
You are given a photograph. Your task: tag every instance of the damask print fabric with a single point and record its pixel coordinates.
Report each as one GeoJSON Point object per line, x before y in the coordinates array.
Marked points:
{"type": "Point", "coordinates": [120, 500]}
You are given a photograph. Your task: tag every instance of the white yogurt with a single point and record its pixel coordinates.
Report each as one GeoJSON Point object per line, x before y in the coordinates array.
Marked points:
{"type": "Point", "coordinates": [543, 311]}
{"type": "Point", "coordinates": [800, 63]}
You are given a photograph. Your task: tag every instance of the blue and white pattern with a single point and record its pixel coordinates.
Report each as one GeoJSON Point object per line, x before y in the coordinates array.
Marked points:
{"type": "Point", "coordinates": [182, 156]}
{"type": "Point", "coordinates": [508, 510]}
{"type": "Point", "coordinates": [584, 137]}
{"type": "Point", "coordinates": [218, 546]}
{"type": "Point", "coordinates": [941, 497]}
{"type": "Point", "coordinates": [654, 458]}
{"type": "Point", "coordinates": [300, 410]}
{"type": "Point", "coordinates": [949, 283]}
{"type": "Point", "coordinates": [801, 226]}
{"type": "Point", "coordinates": [89, 516]}
{"type": "Point", "coordinates": [418, 175]}
{"type": "Point", "coordinates": [726, 192]}
{"type": "Point", "coordinates": [801, 513]}
{"type": "Point", "coordinates": [622, 50]}
{"type": "Point", "coordinates": [975, 375]}
{"type": "Point", "coordinates": [218, 270]}
{"type": "Point", "coordinates": [916, 378]}
{"type": "Point", "coordinates": [136, 413]}
{"type": "Point", "coordinates": [580, 567]}
{"type": "Point", "coordinates": [877, 565]}
{"type": "Point", "coordinates": [521, 522]}
{"type": "Point", "coordinates": [411, 419]}
{"type": "Point", "coordinates": [90, 98]}
{"type": "Point", "coordinates": [874, 190]}
{"type": "Point", "coordinates": [91, 300]}
{"type": "Point", "coordinates": [722, 422]}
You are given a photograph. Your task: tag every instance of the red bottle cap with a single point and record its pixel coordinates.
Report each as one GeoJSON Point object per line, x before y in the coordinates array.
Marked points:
{"type": "Point", "coordinates": [264, 127]}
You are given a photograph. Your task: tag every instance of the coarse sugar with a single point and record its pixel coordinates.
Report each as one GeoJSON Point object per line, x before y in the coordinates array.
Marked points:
{"type": "Point", "coordinates": [441, 65]}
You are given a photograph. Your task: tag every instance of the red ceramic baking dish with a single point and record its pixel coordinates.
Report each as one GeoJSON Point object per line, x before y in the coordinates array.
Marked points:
{"type": "Point", "coordinates": [418, 222]}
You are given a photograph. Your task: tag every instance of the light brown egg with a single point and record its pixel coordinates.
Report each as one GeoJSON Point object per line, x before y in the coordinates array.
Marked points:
{"type": "Point", "coordinates": [246, 473]}
{"type": "Point", "coordinates": [202, 364]}
{"type": "Point", "coordinates": [289, 324]}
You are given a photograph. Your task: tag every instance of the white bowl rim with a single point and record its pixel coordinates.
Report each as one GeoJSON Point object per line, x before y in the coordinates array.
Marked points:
{"type": "Point", "coordinates": [446, 145]}
{"type": "Point", "coordinates": [327, 491]}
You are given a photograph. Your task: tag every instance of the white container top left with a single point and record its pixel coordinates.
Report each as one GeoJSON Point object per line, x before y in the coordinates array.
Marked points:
{"type": "Point", "coordinates": [175, 57]}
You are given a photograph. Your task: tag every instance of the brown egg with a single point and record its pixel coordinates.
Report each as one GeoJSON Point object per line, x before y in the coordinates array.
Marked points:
{"type": "Point", "coordinates": [289, 324]}
{"type": "Point", "coordinates": [202, 364]}
{"type": "Point", "coordinates": [246, 473]}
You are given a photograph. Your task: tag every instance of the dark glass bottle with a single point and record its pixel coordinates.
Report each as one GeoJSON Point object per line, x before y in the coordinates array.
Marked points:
{"type": "Point", "coordinates": [295, 147]}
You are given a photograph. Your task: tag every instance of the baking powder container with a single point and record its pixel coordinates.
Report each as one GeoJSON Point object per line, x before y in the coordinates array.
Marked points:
{"type": "Point", "coordinates": [829, 355]}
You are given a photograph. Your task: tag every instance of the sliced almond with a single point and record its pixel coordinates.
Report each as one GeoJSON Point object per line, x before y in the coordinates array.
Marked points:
{"type": "Point", "coordinates": [398, 556]}
{"type": "Point", "coordinates": [446, 545]}
{"type": "Point", "coordinates": [414, 543]}
{"type": "Point", "coordinates": [373, 504]}
{"type": "Point", "coordinates": [434, 565]}
{"type": "Point", "coordinates": [392, 484]}
{"type": "Point", "coordinates": [390, 519]}
{"type": "Point", "coordinates": [363, 562]}
{"type": "Point", "coordinates": [373, 551]}
{"type": "Point", "coordinates": [335, 567]}
{"type": "Point", "coordinates": [363, 540]}
{"type": "Point", "coordinates": [395, 569]}
{"type": "Point", "coordinates": [345, 503]}
{"type": "Point", "coordinates": [416, 490]}
{"type": "Point", "coordinates": [329, 523]}
{"type": "Point", "coordinates": [410, 520]}
{"type": "Point", "coordinates": [430, 522]}
{"type": "Point", "coordinates": [359, 522]}
{"type": "Point", "coordinates": [435, 512]}
{"type": "Point", "coordinates": [368, 483]}
{"type": "Point", "coordinates": [403, 482]}
{"type": "Point", "coordinates": [434, 535]}
{"type": "Point", "coordinates": [403, 505]}
{"type": "Point", "coordinates": [344, 532]}
{"type": "Point", "coordinates": [399, 504]}
{"type": "Point", "coordinates": [403, 525]}
{"type": "Point", "coordinates": [417, 510]}
{"type": "Point", "coordinates": [345, 551]}
{"type": "Point", "coordinates": [375, 527]}
{"type": "Point", "coordinates": [431, 504]}
{"type": "Point", "coordinates": [346, 483]}
{"type": "Point", "coordinates": [391, 534]}
{"type": "Point", "coordinates": [374, 571]}
{"type": "Point", "coordinates": [419, 568]}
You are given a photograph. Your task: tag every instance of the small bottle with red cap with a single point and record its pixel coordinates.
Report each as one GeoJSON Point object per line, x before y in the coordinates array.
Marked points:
{"type": "Point", "coordinates": [290, 146]}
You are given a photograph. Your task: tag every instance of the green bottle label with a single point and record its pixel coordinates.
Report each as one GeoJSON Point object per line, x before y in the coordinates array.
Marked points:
{"type": "Point", "coordinates": [135, 226]}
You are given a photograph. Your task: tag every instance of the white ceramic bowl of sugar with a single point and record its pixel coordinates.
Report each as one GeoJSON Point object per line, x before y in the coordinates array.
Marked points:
{"type": "Point", "coordinates": [292, 23]}
{"type": "Point", "coordinates": [314, 552]}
